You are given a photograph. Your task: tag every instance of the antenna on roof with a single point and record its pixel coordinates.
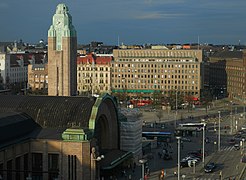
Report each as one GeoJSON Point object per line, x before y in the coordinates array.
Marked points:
{"type": "Point", "coordinates": [198, 42]}
{"type": "Point", "coordinates": [118, 40]}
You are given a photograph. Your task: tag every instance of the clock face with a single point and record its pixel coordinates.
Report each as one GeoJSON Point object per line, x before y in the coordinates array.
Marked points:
{"type": "Point", "coordinates": [58, 22]}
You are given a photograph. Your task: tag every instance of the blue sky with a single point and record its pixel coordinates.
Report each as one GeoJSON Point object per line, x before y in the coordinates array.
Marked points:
{"type": "Point", "coordinates": [133, 21]}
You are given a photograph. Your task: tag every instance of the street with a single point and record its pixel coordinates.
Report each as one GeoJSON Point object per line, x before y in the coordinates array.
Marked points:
{"type": "Point", "coordinates": [227, 160]}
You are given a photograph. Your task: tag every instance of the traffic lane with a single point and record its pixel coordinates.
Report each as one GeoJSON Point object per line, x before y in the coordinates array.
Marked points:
{"type": "Point", "coordinates": [227, 162]}
{"type": "Point", "coordinates": [170, 166]}
{"type": "Point", "coordinates": [222, 167]}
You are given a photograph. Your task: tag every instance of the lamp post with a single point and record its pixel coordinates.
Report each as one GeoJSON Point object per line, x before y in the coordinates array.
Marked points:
{"type": "Point", "coordinates": [95, 169]}
{"type": "Point", "coordinates": [142, 162]}
{"type": "Point", "coordinates": [231, 118]}
{"type": "Point", "coordinates": [244, 106]}
{"type": "Point", "coordinates": [203, 142]}
{"type": "Point", "coordinates": [219, 133]}
{"type": "Point", "coordinates": [178, 138]}
{"type": "Point", "coordinates": [243, 139]}
{"type": "Point", "coordinates": [176, 113]}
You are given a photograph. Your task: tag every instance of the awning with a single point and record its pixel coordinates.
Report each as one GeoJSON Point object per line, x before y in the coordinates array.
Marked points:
{"type": "Point", "coordinates": [114, 158]}
{"type": "Point", "coordinates": [134, 90]}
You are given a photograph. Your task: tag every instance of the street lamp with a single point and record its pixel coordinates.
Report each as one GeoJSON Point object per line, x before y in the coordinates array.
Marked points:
{"type": "Point", "coordinates": [231, 118]}
{"type": "Point", "coordinates": [203, 142]}
{"type": "Point", "coordinates": [178, 138]}
{"type": "Point", "coordinates": [219, 133]}
{"type": "Point", "coordinates": [243, 139]}
{"type": "Point", "coordinates": [176, 113]}
{"type": "Point", "coordinates": [244, 106]}
{"type": "Point", "coordinates": [94, 159]}
{"type": "Point", "coordinates": [142, 162]}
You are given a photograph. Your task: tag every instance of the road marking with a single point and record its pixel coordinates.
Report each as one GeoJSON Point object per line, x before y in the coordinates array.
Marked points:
{"type": "Point", "coordinates": [226, 148]}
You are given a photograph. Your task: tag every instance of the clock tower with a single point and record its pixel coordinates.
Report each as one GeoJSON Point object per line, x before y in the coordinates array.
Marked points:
{"type": "Point", "coordinates": [62, 54]}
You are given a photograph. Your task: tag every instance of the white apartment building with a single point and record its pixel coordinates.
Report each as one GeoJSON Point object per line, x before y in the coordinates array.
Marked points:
{"type": "Point", "coordinates": [14, 67]}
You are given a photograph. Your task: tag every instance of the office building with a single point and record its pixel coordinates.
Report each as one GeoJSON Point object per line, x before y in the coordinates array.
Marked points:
{"type": "Point", "coordinates": [146, 71]}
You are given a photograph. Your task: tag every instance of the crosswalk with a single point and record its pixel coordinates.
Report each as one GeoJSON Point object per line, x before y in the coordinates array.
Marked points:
{"type": "Point", "coordinates": [227, 148]}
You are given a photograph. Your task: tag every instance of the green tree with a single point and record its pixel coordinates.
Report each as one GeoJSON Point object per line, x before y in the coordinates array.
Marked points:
{"type": "Point", "coordinates": [159, 114]}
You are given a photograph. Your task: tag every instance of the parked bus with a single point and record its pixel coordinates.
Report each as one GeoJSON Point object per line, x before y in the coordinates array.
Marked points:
{"type": "Point", "coordinates": [161, 136]}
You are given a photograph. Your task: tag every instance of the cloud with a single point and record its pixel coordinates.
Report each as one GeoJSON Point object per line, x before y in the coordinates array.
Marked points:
{"type": "Point", "coordinates": [159, 15]}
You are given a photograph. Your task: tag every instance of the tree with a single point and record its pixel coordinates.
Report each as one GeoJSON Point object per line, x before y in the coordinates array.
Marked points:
{"type": "Point", "coordinates": [206, 99]}
{"type": "Point", "coordinates": [189, 100]}
{"type": "Point", "coordinates": [159, 114]}
{"type": "Point", "coordinates": [157, 97]}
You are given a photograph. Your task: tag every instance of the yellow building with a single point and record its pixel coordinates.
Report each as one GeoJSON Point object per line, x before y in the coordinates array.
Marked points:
{"type": "Point", "coordinates": [93, 74]}
{"type": "Point", "coordinates": [146, 71]}
{"type": "Point", "coordinates": [236, 75]}
{"type": "Point", "coordinates": [37, 76]}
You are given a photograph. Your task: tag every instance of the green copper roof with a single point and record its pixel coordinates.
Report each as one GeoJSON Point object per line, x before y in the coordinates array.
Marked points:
{"type": "Point", "coordinates": [61, 9]}
{"type": "Point", "coordinates": [134, 90]}
{"type": "Point", "coordinates": [61, 25]}
{"type": "Point", "coordinates": [73, 134]}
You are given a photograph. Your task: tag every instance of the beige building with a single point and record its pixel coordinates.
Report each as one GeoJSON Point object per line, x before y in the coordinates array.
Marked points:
{"type": "Point", "coordinates": [146, 71]}
{"type": "Point", "coordinates": [62, 54]}
{"type": "Point", "coordinates": [50, 137]}
{"type": "Point", "coordinates": [236, 76]}
{"type": "Point", "coordinates": [37, 76]}
{"type": "Point", "coordinates": [93, 74]}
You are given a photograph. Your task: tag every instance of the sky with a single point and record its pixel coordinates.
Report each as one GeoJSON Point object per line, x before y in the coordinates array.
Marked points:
{"type": "Point", "coordinates": [129, 21]}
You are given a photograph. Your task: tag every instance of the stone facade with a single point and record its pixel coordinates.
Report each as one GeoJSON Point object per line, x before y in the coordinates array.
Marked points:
{"type": "Point", "coordinates": [93, 74]}
{"type": "Point", "coordinates": [38, 76]}
{"type": "Point", "coordinates": [148, 70]}
{"type": "Point", "coordinates": [62, 51]}
{"type": "Point", "coordinates": [236, 76]}
{"type": "Point", "coordinates": [73, 159]}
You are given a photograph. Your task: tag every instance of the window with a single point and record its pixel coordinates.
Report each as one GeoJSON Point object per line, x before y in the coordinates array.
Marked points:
{"type": "Point", "coordinates": [9, 170]}
{"type": "Point", "coordinates": [53, 166]}
{"type": "Point", "coordinates": [37, 166]}
{"type": "Point", "coordinates": [1, 169]}
{"type": "Point", "coordinates": [72, 167]}
{"type": "Point", "coordinates": [25, 165]}
{"type": "Point", "coordinates": [17, 168]}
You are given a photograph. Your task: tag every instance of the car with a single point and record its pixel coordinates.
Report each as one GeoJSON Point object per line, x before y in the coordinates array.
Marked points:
{"type": "Point", "coordinates": [190, 158]}
{"type": "Point", "coordinates": [236, 147]}
{"type": "Point", "coordinates": [237, 137]}
{"type": "Point", "coordinates": [195, 153]}
{"type": "Point", "coordinates": [209, 167]}
{"type": "Point", "coordinates": [191, 163]}
{"type": "Point", "coordinates": [184, 163]}
{"type": "Point", "coordinates": [232, 141]}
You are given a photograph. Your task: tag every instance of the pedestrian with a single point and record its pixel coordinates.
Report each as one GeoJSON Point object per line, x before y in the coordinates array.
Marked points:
{"type": "Point", "coordinates": [162, 174]}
